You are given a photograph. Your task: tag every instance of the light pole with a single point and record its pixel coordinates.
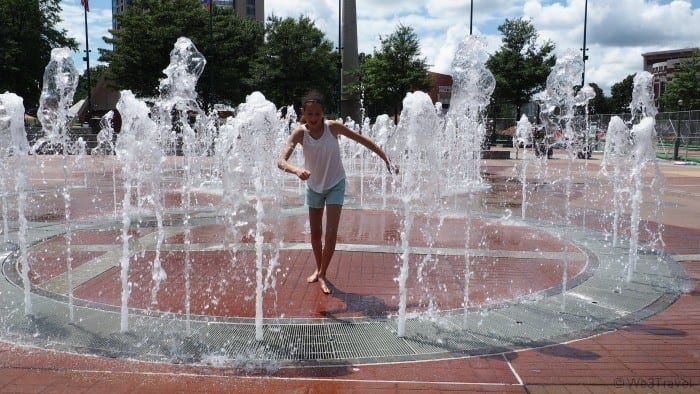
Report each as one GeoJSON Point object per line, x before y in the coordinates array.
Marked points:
{"type": "Point", "coordinates": [211, 53]}
{"type": "Point", "coordinates": [677, 142]}
{"type": "Point", "coordinates": [340, 61]}
{"type": "Point", "coordinates": [471, 16]}
{"type": "Point", "coordinates": [584, 49]}
{"type": "Point", "coordinates": [86, 7]}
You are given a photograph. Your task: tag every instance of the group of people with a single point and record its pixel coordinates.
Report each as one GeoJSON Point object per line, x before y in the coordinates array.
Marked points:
{"type": "Point", "coordinates": [324, 174]}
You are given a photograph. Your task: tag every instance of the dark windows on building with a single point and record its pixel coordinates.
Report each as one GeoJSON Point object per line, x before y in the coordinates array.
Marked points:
{"type": "Point", "coordinates": [250, 9]}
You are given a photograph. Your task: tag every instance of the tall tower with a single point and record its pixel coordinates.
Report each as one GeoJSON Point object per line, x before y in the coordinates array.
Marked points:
{"type": "Point", "coordinates": [350, 103]}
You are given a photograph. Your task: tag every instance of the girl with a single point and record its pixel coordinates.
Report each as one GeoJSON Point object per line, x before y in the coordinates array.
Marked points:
{"type": "Point", "coordinates": [324, 175]}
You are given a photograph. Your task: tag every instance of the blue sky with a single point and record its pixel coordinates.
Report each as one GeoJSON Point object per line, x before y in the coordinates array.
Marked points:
{"type": "Point", "coordinates": [618, 31]}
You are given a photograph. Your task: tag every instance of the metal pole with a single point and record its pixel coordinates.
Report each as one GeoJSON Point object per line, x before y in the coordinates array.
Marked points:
{"type": "Point", "coordinates": [471, 16]}
{"type": "Point", "coordinates": [87, 62]}
{"type": "Point", "coordinates": [584, 49]}
{"type": "Point", "coordinates": [340, 61]}
{"type": "Point", "coordinates": [211, 53]}
{"type": "Point", "coordinates": [677, 142]}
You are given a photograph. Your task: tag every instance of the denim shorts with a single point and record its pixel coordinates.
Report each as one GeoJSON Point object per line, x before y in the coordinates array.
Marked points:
{"type": "Point", "coordinates": [333, 196]}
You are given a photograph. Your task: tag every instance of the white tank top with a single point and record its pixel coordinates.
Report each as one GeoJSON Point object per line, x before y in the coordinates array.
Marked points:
{"type": "Point", "coordinates": [322, 159]}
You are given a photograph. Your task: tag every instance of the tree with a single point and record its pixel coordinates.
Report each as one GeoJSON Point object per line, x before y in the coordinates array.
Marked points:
{"type": "Point", "coordinates": [96, 73]}
{"type": "Point", "coordinates": [684, 86]}
{"type": "Point", "coordinates": [296, 57]}
{"type": "Point", "coordinates": [236, 43]}
{"type": "Point", "coordinates": [27, 35]}
{"type": "Point", "coordinates": [599, 104]}
{"type": "Point", "coordinates": [520, 66]}
{"type": "Point", "coordinates": [392, 71]}
{"type": "Point", "coordinates": [621, 95]}
{"type": "Point", "coordinates": [142, 44]}
{"type": "Point", "coordinates": [159, 23]}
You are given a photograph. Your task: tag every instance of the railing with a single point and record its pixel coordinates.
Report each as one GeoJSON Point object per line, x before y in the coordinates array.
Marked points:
{"type": "Point", "coordinates": [88, 135]}
{"type": "Point", "coordinates": [679, 135]}
{"type": "Point", "coordinates": [678, 132]}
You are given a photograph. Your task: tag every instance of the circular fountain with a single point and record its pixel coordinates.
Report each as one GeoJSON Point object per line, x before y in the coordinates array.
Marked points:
{"type": "Point", "coordinates": [180, 241]}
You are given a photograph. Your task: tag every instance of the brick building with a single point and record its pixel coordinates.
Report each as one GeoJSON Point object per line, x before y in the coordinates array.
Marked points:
{"type": "Point", "coordinates": [441, 89]}
{"type": "Point", "coordinates": [662, 65]}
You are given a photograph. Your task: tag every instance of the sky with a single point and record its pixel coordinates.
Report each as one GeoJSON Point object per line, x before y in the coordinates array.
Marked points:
{"type": "Point", "coordinates": [618, 31]}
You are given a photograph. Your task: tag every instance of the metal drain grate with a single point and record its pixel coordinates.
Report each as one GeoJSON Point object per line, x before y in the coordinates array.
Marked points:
{"type": "Point", "coordinates": [591, 306]}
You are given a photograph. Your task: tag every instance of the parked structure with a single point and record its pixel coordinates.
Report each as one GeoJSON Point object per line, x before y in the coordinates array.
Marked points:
{"type": "Point", "coordinates": [662, 65]}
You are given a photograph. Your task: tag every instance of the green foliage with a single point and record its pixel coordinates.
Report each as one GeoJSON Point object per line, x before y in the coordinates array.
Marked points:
{"type": "Point", "coordinates": [685, 86]}
{"type": "Point", "coordinates": [150, 28]}
{"type": "Point", "coordinates": [96, 73]}
{"type": "Point", "coordinates": [391, 72]}
{"type": "Point", "coordinates": [27, 35]}
{"type": "Point", "coordinates": [621, 95]}
{"type": "Point", "coordinates": [599, 104]}
{"type": "Point", "coordinates": [236, 43]}
{"type": "Point", "coordinates": [142, 45]}
{"type": "Point", "coordinates": [520, 66]}
{"type": "Point", "coordinates": [296, 58]}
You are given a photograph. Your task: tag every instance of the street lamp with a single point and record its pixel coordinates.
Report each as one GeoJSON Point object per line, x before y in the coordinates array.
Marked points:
{"type": "Point", "coordinates": [87, 64]}
{"type": "Point", "coordinates": [677, 142]}
{"type": "Point", "coordinates": [340, 61]}
{"type": "Point", "coordinates": [584, 49]}
{"type": "Point", "coordinates": [471, 16]}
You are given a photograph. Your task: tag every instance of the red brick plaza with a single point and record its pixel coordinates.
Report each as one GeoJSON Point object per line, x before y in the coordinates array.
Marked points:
{"type": "Point", "coordinates": [655, 350]}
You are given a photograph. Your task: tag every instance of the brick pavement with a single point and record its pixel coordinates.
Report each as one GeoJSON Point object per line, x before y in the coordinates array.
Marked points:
{"type": "Point", "coordinates": [658, 354]}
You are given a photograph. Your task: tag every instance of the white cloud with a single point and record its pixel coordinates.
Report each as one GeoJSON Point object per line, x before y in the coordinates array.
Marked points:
{"type": "Point", "coordinates": [388, 9]}
{"type": "Point", "coordinates": [324, 13]}
{"type": "Point", "coordinates": [618, 32]}
{"type": "Point", "coordinates": [99, 22]}
{"type": "Point", "coordinates": [612, 64]}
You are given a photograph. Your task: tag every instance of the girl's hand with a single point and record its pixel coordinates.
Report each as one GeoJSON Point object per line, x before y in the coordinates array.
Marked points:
{"type": "Point", "coordinates": [303, 174]}
{"type": "Point", "coordinates": [393, 169]}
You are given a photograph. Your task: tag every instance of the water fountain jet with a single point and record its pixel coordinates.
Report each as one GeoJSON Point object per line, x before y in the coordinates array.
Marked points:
{"type": "Point", "coordinates": [247, 246]}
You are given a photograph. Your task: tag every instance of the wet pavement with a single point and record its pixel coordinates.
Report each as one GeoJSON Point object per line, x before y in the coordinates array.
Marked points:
{"type": "Point", "coordinates": [644, 346]}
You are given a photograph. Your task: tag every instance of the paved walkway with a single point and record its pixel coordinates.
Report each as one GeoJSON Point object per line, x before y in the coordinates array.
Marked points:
{"type": "Point", "coordinates": [660, 353]}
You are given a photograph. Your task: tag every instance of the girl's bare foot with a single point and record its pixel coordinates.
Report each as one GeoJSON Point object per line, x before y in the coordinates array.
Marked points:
{"type": "Point", "coordinates": [313, 278]}
{"type": "Point", "coordinates": [324, 286]}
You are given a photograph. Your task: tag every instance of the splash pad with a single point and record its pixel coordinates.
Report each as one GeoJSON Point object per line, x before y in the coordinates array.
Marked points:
{"type": "Point", "coordinates": [422, 269]}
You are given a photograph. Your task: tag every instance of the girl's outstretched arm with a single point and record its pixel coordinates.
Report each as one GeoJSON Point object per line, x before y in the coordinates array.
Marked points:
{"type": "Point", "coordinates": [283, 161]}
{"type": "Point", "coordinates": [340, 129]}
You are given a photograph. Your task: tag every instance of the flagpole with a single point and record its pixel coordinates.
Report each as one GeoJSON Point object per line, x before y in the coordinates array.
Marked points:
{"type": "Point", "coordinates": [87, 61]}
{"type": "Point", "coordinates": [211, 52]}
{"type": "Point", "coordinates": [584, 49]}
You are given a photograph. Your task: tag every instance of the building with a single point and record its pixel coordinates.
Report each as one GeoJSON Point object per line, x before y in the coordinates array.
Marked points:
{"type": "Point", "coordinates": [441, 89]}
{"type": "Point", "coordinates": [662, 64]}
{"type": "Point", "coordinates": [253, 9]}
